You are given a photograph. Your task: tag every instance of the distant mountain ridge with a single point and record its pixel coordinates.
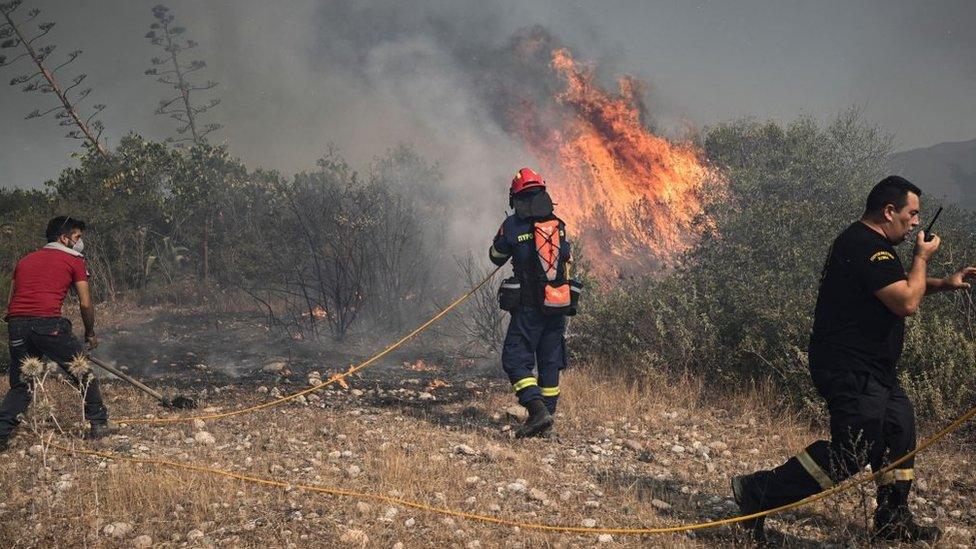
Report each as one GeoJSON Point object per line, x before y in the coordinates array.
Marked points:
{"type": "Point", "coordinates": [946, 170]}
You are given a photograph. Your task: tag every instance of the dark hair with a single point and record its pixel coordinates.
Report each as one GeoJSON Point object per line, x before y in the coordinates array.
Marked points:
{"type": "Point", "coordinates": [890, 190]}
{"type": "Point", "coordinates": [62, 225]}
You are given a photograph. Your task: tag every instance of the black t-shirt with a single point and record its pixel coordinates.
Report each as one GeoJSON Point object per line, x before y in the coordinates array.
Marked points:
{"type": "Point", "coordinates": [852, 328]}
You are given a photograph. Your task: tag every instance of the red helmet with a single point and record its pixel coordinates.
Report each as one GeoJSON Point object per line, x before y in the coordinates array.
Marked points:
{"type": "Point", "coordinates": [526, 179]}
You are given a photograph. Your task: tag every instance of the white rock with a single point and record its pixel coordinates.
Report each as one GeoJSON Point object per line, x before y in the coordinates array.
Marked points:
{"type": "Point", "coordinates": [718, 446]}
{"type": "Point", "coordinates": [142, 542]}
{"type": "Point", "coordinates": [465, 449]}
{"type": "Point", "coordinates": [605, 538]}
{"type": "Point", "coordinates": [634, 445]}
{"type": "Point", "coordinates": [661, 505]}
{"type": "Point", "coordinates": [589, 523]}
{"type": "Point", "coordinates": [353, 471]}
{"type": "Point", "coordinates": [354, 537]}
{"type": "Point", "coordinates": [204, 437]}
{"type": "Point", "coordinates": [537, 494]}
{"type": "Point", "coordinates": [250, 526]}
{"type": "Point", "coordinates": [517, 412]}
{"type": "Point", "coordinates": [678, 449]}
{"type": "Point", "coordinates": [410, 522]}
{"type": "Point", "coordinates": [117, 530]}
{"type": "Point", "coordinates": [516, 487]}
{"type": "Point", "coordinates": [472, 480]}
{"type": "Point", "coordinates": [36, 450]}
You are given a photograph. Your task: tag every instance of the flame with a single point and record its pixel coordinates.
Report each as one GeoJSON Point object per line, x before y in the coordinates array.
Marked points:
{"type": "Point", "coordinates": [437, 384]}
{"type": "Point", "coordinates": [420, 366]}
{"type": "Point", "coordinates": [632, 199]}
{"type": "Point", "coordinates": [317, 312]}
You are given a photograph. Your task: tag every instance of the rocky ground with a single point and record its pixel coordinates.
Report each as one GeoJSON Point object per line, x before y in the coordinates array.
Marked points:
{"type": "Point", "coordinates": [436, 430]}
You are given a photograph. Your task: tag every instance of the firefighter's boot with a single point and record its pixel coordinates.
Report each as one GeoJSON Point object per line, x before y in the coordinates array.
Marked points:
{"type": "Point", "coordinates": [749, 501]}
{"type": "Point", "coordinates": [893, 520]}
{"type": "Point", "coordinates": [538, 421]}
{"type": "Point", "coordinates": [101, 430]}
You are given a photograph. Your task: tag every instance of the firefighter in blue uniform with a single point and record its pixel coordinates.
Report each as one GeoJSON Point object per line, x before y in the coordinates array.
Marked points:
{"type": "Point", "coordinates": [539, 297]}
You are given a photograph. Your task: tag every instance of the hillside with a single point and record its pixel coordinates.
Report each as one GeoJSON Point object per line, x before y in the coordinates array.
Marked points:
{"type": "Point", "coordinates": [946, 169]}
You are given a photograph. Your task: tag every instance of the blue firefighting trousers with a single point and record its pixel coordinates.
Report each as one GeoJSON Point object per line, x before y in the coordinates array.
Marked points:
{"type": "Point", "coordinates": [535, 340]}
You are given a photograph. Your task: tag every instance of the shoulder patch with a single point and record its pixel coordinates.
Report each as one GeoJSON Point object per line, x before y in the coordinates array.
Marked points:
{"type": "Point", "coordinates": [882, 256]}
{"type": "Point", "coordinates": [524, 237]}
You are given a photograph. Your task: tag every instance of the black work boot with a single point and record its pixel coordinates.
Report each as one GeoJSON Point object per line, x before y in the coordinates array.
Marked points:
{"type": "Point", "coordinates": [899, 524]}
{"type": "Point", "coordinates": [893, 520]}
{"type": "Point", "coordinates": [749, 501]}
{"type": "Point", "coordinates": [101, 430]}
{"type": "Point", "coordinates": [538, 421]}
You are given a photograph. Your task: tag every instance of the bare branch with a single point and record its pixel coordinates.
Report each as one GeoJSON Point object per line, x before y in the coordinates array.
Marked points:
{"type": "Point", "coordinates": [76, 81]}
{"type": "Point", "coordinates": [36, 113]}
{"type": "Point", "coordinates": [45, 28]}
{"type": "Point", "coordinates": [4, 61]}
{"type": "Point", "coordinates": [71, 57]}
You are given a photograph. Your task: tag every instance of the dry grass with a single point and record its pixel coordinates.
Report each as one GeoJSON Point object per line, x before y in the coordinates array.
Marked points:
{"type": "Point", "coordinates": [588, 470]}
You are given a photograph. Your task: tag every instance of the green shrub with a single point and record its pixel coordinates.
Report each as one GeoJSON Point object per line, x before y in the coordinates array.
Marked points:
{"type": "Point", "coordinates": [740, 306]}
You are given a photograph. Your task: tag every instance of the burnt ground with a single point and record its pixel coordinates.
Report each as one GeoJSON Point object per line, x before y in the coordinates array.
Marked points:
{"type": "Point", "coordinates": [194, 353]}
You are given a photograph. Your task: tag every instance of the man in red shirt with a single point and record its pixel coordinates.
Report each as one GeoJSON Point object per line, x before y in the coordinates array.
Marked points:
{"type": "Point", "coordinates": [36, 328]}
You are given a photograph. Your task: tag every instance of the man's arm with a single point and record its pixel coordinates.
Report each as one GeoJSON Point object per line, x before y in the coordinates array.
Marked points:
{"type": "Point", "coordinates": [87, 312]}
{"type": "Point", "coordinates": [500, 249]}
{"type": "Point", "coordinates": [904, 296]}
{"type": "Point", "coordinates": [10, 297]}
{"type": "Point", "coordinates": [955, 281]}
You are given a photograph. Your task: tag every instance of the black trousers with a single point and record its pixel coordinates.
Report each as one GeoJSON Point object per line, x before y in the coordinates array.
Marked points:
{"type": "Point", "coordinates": [38, 338]}
{"type": "Point", "coordinates": [871, 422]}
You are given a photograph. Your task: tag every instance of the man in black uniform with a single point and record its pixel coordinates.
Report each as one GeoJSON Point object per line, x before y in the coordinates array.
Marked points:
{"type": "Point", "coordinates": [857, 338]}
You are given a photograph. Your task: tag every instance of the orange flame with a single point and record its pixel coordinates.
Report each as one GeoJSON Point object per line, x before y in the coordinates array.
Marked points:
{"type": "Point", "coordinates": [420, 366]}
{"type": "Point", "coordinates": [633, 199]}
{"type": "Point", "coordinates": [437, 384]}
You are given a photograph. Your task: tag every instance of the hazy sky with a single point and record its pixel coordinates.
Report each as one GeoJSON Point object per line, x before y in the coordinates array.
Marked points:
{"type": "Point", "coordinates": [365, 75]}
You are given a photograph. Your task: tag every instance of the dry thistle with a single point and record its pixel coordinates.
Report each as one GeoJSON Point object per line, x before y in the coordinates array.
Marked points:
{"type": "Point", "coordinates": [32, 367]}
{"type": "Point", "coordinates": [79, 366]}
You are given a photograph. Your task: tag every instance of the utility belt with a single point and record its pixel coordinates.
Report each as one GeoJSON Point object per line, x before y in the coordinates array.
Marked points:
{"type": "Point", "coordinates": [552, 298]}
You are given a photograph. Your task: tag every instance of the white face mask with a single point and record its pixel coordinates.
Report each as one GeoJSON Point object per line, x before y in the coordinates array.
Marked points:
{"type": "Point", "coordinates": [79, 246]}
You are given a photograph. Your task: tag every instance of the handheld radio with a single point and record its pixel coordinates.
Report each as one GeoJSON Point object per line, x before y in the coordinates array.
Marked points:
{"type": "Point", "coordinates": [928, 229]}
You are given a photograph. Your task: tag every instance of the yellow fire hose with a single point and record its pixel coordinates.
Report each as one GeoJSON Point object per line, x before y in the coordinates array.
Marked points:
{"type": "Point", "coordinates": [342, 492]}
{"type": "Point", "coordinates": [337, 378]}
